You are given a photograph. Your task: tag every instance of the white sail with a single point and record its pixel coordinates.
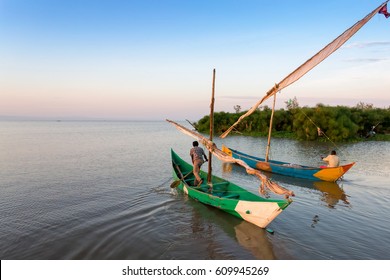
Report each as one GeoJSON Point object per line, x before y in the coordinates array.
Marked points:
{"type": "Point", "coordinates": [310, 64]}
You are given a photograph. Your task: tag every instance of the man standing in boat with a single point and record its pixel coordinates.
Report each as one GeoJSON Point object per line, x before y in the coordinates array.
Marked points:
{"type": "Point", "coordinates": [197, 154]}
{"type": "Point", "coordinates": [332, 159]}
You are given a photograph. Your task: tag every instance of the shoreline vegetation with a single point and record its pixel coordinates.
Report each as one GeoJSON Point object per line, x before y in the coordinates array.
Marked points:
{"type": "Point", "coordinates": [320, 123]}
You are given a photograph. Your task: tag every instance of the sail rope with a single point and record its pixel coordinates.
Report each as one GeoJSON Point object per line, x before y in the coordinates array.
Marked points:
{"type": "Point", "coordinates": [319, 130]}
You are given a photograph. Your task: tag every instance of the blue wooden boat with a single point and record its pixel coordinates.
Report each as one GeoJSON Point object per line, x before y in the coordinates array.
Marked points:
{"type": "Point", "coordinates": [331, 174]}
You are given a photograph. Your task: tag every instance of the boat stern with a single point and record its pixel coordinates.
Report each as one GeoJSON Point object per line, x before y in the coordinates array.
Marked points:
{"type": "Point", "coordinates": [226, 150]}
{"type": "Point", "coordinates": [260, 213]}
{"type": "Point", "coordinates": [334, 173]}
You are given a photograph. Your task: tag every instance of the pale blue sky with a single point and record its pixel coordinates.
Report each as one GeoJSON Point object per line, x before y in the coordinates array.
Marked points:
{"type": "Point", "coordinates": [154, 59]}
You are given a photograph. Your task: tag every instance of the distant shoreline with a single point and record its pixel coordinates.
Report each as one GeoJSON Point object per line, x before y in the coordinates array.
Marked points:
{"type": "Point", "coordinates": [48, 119]}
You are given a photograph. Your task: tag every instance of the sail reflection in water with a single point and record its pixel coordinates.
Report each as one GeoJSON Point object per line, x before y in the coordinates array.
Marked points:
{"type": "Point", "coordinates": [332, 193]}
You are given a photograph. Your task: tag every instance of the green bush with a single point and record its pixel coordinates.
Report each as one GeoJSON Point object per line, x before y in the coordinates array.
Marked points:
{"type": "Point", "coordinates": [338, 124]}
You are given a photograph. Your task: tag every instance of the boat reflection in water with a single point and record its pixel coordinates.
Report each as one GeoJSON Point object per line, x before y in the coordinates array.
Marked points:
{"type": "Point", "coordinates": [254, 239]}
{"type": "Point", "coordinates": [332, 193]}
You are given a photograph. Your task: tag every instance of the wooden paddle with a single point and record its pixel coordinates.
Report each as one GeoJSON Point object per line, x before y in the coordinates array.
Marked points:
{"type": "Point", "coordinates": [176, 183]}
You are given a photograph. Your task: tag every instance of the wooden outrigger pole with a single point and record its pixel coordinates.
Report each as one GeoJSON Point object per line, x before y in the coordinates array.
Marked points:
{"type": "Point", "coordinates": [211, 128]}
{"type": "Point", "coordinates": [270, 130]}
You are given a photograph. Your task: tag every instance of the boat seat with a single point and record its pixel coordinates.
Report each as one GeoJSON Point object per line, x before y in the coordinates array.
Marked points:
{"type": "Point", "coordinates": [231, 196]}
{"type": "Point", "coordinates": [202, 188]}
{"type": "Point", "coordinates": [219, 194]}
{"type": "Point", "coordinates": [220, 187]}
{"type": "Point", "coordinates": [220, 184]}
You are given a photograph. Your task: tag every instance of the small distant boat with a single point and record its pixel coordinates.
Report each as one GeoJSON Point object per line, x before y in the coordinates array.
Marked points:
{"type": "Point", "coordinates": [227, 196]}
{"type": "Point", "coordinates": [330, 174]}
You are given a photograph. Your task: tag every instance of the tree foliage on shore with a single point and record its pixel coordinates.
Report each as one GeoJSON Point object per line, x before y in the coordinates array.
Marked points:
{"type": "Point", "coordinates": [338, 123]}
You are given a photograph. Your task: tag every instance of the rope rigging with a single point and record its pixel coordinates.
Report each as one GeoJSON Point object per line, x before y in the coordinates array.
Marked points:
{"type": "Point", "coordinates": [320, 131]}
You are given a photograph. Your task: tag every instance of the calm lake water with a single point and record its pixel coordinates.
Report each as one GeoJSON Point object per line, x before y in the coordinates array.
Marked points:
{"type": "Point", "coordinates": [101, 190]}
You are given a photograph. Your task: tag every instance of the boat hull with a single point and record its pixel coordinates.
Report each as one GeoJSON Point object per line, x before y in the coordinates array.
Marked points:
{"type": "Point", "coordinates": [227, 196]}
{"type": "Point", "coordinates": [330, 174]}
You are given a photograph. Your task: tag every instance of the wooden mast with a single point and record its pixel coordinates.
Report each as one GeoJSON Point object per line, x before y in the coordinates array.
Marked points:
{"type": "Point", "coordinates": [270, 129]}
{"type": "Point", "coordinates": [211, 127]}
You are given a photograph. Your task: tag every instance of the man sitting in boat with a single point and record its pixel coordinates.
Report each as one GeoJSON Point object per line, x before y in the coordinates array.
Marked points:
{"type": "Point", "coordinates": [332, 159]}
{"type": "Point", "coordinates": [197, 154]}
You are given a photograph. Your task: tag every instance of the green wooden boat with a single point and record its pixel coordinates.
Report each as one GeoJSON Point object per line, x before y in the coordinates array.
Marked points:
{"type": "Point", "coordinates": [227, 196]}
